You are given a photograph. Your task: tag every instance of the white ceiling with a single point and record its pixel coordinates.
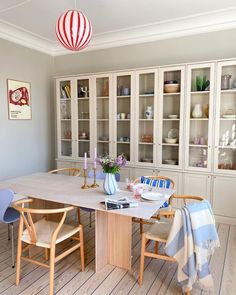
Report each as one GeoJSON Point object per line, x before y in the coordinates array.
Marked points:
{"type": "Point", "coordinates": [115, 22]}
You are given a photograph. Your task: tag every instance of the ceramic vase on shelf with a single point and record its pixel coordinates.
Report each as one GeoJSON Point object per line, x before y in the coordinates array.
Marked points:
{"type": "Point", "coordinates": [197, 111]}
{"type": "Point", "coordinates": [148, 112]}
{"type": "Point", "coordinates": [110, 185]}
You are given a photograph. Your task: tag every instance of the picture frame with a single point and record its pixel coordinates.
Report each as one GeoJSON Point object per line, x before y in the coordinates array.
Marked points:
{"type": "Point", "coordinates": [19, 100]}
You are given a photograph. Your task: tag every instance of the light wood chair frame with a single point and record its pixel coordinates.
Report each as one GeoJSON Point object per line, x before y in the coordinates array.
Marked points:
{"type": "Point", "coordinates": [145, 241]}
{"type": "Point", "coordinates": [27, 221]}
{"type": "Point", "coordinates": [157, 216]}
{"type": "Point", "coordinates": [71, 171]}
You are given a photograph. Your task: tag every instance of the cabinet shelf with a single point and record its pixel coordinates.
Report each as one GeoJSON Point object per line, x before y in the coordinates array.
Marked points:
{"type": "Point", "coordinates": [64, 139]}
{"type": "Point", "coordinates": [123, 96]}
{"type": "Point", "coordinates": [102, 97]}
{"type": "Point", "coordinates": [103, 120]}
{"type": "Point", "coordinates": [169, 94]}
{"type": "Point", "coordinates": [200, 92]}
{"type": "Point", "coordinates": [103, 141]}
{"type": "Point", "coordinates": [123, 142]}
{"type": "Point", "coordinates": [66, 120]}
{"type": "Point", "coordinates": [197, 145]}
{"type": "Point", "coordinates": [170, 144]}
{"type": "Point", "coordinates": [144, 120]}
{"type": "Point", "coordinates": [146, 95]}
{"type": "Point", "coordinates": [199, 119]}
{"type": "Point", "coordinates": [83, 98]}
{"type": "Point", "coordinates": [227, 119]}
{"type": "Point", "coordinates": [83, 120]}
{"type": "Point", "coordinates": [83, 140]}
{"type": "Point", "coordinates": [146, 143]}
{"type": "Point", "coordinates": [228, 90]}
{"type": "Point", "coordinates": [123, 120]}
{"type": "Point", "coordinates": [168, 119]}
{"type": "Point", "coordinates": [65, 99]}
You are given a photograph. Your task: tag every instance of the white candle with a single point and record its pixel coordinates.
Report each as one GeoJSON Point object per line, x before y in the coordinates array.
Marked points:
{"type": "Point", "coordinates": [95, 157]}
{"type": "Point", "coordinates": [85, 161]}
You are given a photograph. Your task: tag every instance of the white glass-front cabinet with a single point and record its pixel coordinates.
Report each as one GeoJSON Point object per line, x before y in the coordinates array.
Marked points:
{"type": "Point", "coordinates": [170, 116]}
{"type": "Point", "coordinates": [65, 116]}
{"type": "Point", "coordinates": [103, 114]}
{"type": "Point", "coordinates": [225, 136]}
{"type": "Point", "coordinates": [199, 117]}
{"type": "Point", "coordinates": [83, 111]}
{"type": "Point", "coordinates": [123, 131]}
{"type": "Point", "coordinates": [145, 117]}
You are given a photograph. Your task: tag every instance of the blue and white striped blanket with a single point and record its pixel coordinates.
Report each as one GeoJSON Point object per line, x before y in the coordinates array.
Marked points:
{"type": "Point", "coordinates": [192, 239]}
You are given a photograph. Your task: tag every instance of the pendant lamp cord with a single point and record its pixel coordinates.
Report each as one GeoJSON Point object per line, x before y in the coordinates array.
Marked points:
{"type": "Point", "coordinates": [75, 5]}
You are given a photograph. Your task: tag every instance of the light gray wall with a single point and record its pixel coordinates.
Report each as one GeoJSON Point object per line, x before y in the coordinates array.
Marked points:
{"type": "Point", "coordinates": [26, 146]}
{"type": "Point", "coordinates": [216, 45]}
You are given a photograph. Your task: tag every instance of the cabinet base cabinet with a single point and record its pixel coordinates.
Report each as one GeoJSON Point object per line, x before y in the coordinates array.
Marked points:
{"type": "Point", "coordinates": [224, 198]}
{"type": "Point", "coordinates": [197, 185]}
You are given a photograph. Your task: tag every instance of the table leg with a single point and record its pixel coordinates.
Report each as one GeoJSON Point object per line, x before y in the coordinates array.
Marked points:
{"type": "Point", "coordinates": [113, 240]}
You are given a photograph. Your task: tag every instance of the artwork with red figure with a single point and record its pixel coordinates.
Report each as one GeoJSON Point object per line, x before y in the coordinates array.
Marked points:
{"type": "Point", "coordinates": [19, 100]}
{"type": "Point", "coordinates": [19, 96]}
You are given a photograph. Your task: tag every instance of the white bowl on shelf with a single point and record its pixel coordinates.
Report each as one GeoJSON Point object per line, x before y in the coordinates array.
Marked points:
{"type": "Point", "coordinates": [171, 140]}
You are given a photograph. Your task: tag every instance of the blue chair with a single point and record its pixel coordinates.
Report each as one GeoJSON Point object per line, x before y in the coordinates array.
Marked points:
{"type": "Point", "coordinates": [99, 175]}
{"type": "Point", "coordinates": [8, 215]}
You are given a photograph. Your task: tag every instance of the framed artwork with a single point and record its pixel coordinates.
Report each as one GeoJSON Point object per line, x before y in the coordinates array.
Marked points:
{"type": "Point", "coordinates": [19, 100]}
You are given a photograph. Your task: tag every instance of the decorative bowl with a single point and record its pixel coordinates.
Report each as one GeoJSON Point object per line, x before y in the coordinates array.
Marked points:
{"type": "Point", "coordinates": [171, 88]}
{"type": "Point", "coordinates": [171, 140]}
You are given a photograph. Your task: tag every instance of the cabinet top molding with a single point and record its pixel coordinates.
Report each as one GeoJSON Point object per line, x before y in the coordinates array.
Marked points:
{"type": "Point", "coordinates": [231, 61]}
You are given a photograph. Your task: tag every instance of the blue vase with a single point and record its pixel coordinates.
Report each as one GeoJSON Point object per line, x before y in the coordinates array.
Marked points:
{"type": "Point", "coordinates": [110, 184]}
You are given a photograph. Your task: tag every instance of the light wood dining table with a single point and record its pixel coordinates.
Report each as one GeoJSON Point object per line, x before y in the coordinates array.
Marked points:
{"type": "Point", "coordinates": [113, 228]}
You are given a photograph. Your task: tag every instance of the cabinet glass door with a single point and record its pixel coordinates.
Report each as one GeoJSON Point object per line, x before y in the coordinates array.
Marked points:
{"type": "Point", "coordinates": [83, 116]}
{"type": "Point", "coordinates": [65, 118]}
{"type": "Point", "coordinates": [170, 115]}
{"type": "Point", "coordinates": [145, 114]}
{"type": "Point", "coordinates": [123, 113]}
{"type": "Point", "coordinates": [199, 116]}
{"type": "Point", "coordinates": [103, 114]}
{"type": "Point", "coordinates": [225, 145]}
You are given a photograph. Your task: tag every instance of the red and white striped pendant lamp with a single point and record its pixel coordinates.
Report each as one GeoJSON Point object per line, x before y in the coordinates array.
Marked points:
{"type": "Point", "coordinates": [73, 30]}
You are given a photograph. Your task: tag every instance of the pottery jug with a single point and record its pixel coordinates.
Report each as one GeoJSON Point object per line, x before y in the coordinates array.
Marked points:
{"type": "Point", "coordinates": [197, 111]}
{"type": "Point", "coordinates": [148, 112]}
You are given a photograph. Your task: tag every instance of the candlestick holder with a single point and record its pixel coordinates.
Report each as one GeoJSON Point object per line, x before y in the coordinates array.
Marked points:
{"type": "Point", "coordinates": [85, 185]}
{"type": "Point", "coordinates": [94, 179]}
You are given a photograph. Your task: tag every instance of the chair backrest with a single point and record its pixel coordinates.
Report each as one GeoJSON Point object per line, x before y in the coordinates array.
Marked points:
{"type": "Point", "coordinates": [101, 175]}
{"type": "Point", "coordinates": [6, 197]}
{"type": "Point", "coordinates": [70, 171]}
{"type": "Point", "coordinates": [27, 220]}
{"type": "Point", "coordinates": [171, 212]}
{"type": "Point", "coordinates": [158, 177]}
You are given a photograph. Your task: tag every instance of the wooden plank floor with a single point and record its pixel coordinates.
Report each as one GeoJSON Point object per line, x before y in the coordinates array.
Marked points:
{"type": "Point", "coordinates": [159, 276]}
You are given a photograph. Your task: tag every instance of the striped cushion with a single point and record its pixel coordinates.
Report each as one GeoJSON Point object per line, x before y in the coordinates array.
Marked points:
{"type": "Point", "coordinates": [161, 183]}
